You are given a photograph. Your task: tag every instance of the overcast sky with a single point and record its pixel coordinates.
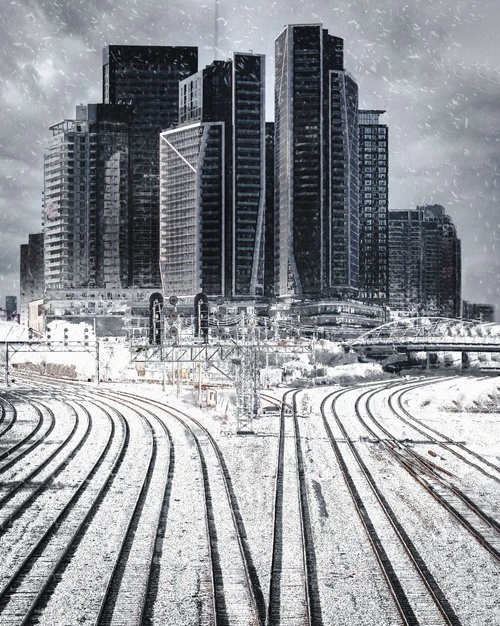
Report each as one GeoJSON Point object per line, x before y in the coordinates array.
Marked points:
{"type": "Point", "coordinates": [434, 66]}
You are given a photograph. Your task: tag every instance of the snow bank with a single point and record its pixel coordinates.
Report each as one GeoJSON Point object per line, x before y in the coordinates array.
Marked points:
{"type": "Point", "coordinates": [472, 394]}
{"type": "Point", "coordinates": [353, 372]}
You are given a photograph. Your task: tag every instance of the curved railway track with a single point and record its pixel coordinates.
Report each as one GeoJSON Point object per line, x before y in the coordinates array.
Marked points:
{"type": "Point", "coordinates": [479, 523]}
{"type": "Point", "coordinates": [29, 484]}
{"type": "Point", "coordinates": [124, 599]}
{"type": "Point", "coordinates": [24, 444]}
{"type": "Point", "coordinates": [8, 416]}
{"type": "Point", "coordinates": [128, 588]}
{"type": "Point", "coordinates": [468, 456]}
{"type": "Point", "coordinates": [25, 591]}
{"type": "Point", "coordinates": [417, 597]}
{"type": "Point", "coordinates": [237, 595]}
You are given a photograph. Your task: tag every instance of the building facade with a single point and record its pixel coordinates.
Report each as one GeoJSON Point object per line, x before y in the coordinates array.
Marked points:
{"type": "Point", "coordinates": [212, 187]}
{"type": "Point", "coordinates": [146, 78]}
{"type": "Point", "coordinates": [31, 273]}
{"type": "Point", "coordinates": [478, 311]}
{"type": "Point", "coordinates": [87, 199]}
{"type": "Point", "coordinates": [66, 200]}
{"type": "Point", "coordinates": [106, 254]}
{"type": "Point", "coordinates": [11, 307]}
{"type": "Point", "coordinates": [373, 208]}
{"type": "Point", "coordinates": [270, 279]}
{"type": "Point", "coordinates": [316, 166]}
{"type": "Point", "coordinates": [424, 263]}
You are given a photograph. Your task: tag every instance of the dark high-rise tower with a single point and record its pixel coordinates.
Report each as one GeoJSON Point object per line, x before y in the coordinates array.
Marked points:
{"type": "Point", "coordinates": [212, 183]}
{"type": "Point", "coordinates": [373, 208]}
{"type": "Point", "coordinates": [146, 78]}
{"type": "Point", "coordinates": [31, 273]}
{"type": "Point", "coordinates": [269, 246]}
{"type": "Point", "coordinates": [316, 165]}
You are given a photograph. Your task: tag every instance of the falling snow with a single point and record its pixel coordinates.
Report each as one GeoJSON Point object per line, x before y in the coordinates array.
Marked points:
{"type": "Point", "coordinates": [433, 66]}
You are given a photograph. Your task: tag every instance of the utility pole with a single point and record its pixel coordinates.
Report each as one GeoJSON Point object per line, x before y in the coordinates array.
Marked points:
{"type": "Point", "coordinates": [6, 363]}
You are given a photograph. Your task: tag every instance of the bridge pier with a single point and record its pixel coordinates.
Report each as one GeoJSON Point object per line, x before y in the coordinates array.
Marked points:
{"type": "Point", "coordinates": [465, 360]}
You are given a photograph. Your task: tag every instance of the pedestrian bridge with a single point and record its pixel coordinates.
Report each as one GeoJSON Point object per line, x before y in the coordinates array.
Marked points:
{"type": "Point", "coordinates": [415, 334]}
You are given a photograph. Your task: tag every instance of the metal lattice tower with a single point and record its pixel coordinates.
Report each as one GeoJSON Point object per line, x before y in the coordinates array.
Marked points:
{"type": "Point", "coordinates": [247, 378]}
{"type": "Point", "coordinates": [245, 392]}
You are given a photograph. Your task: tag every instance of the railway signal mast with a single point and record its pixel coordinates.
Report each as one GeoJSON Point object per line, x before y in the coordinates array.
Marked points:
{"type": "Point", "coordinates": [218, 336]}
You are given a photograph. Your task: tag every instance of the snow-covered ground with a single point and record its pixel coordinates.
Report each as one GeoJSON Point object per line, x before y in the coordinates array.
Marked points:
{"type": "Point", "coordinates": [351, 587]}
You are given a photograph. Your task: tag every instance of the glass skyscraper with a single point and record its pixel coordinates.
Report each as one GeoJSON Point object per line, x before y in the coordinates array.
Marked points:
{"type": "Point", "coordinates": [316, 166]}
{"type": "Point", "coordinates": [146, 78]}
{"type": "Point", "coordinates": [212, 194]}
{"type": "Point", "coordinates": [373, 208]}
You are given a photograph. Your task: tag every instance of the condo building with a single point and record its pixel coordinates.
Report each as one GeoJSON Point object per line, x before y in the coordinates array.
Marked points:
{"type": "Point", "coordinates": [65, 207]}
{"type": "Point", "coordinates": [425, 263]}
{"type": "Point", "coordinates": [373, 208]}
{"type": "Point", "coordinates": [212, 183]}
{"type": "Point", "coordinates": [316, 166]}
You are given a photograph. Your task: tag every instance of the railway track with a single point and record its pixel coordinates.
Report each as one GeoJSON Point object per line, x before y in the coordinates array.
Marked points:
{"type": "Point", "coordinates": [127, 591]}
{"type": "Point", "coordinates": [28, 480]}
{"type": "Point", "coordinates": [237, 597]}
{"type": "Point", "coordinates": [24, 592]}
{"type": "Point", "coordinates": [130, 586]}
{"type": "Point", "coordinates": [43, 425]}
{"type": "Point", "coordinates": [8, 415]}
{"type": "Point", "coordinates": [468, 456]}
{"type": "Point", "coordinates": [417, 597]}
{"type": "Point", "coordinates": [479, 523]}
{"type": "Point", "coordinates": [293, 588]}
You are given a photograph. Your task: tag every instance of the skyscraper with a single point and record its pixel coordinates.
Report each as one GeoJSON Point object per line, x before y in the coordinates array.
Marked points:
{"type": "Point", "coordinates": [146, 78]}
{"type": "Point", "coordinates": [373, 208]}
{"type": "Point", "coordinates": [86, 199]}
{"type": "Point", "coordinates": [316, 165]}
{"type": "Point", "coordinates": [110, 186]}
{"type": "Point", "coordinates": [213, 183]}
{"type": "Point", "coordinates": [425, 263]}
{"type": "Point", "coordinates": [66, 199]}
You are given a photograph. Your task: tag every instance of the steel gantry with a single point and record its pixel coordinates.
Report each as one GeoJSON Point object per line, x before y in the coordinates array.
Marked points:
{"type": "Point", "coordinates": [244, 357]}
{"type": "Point", "coordinates": [42, 346]}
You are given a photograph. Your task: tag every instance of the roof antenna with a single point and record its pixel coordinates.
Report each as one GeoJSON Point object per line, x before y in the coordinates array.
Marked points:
{"type": "Point", "coordinates": [216, 30]}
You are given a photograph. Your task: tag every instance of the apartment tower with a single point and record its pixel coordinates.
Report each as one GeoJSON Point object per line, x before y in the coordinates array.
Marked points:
{"type": "Point", "coordinates": [316, 166]}
{"type": "Point", "coordinates": [373, 208]}
{"type": "Point", "coordinates": [212, 195]}
{"type": "Point", "coordinates": [425, 263]}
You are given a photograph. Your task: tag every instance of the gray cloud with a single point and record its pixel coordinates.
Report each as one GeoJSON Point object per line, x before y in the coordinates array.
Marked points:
{"type": "Point", "coordinates": [432, 65]}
